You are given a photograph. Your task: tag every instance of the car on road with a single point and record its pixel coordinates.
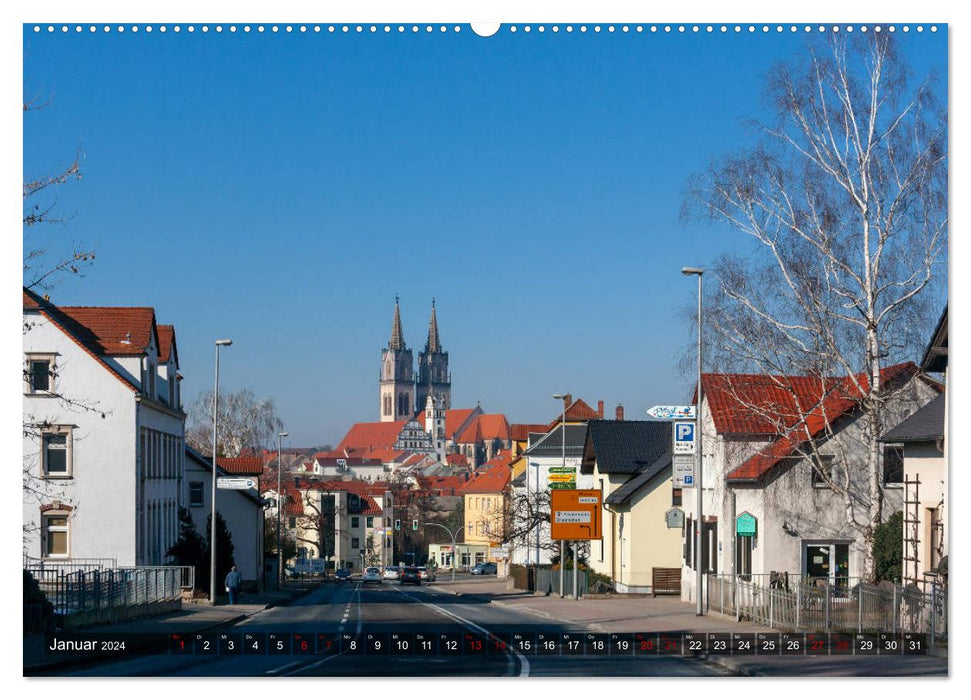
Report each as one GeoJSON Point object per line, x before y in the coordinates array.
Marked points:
{"type": "Point", "coordinates": [372, 574]}
{"type": "Point", "coordinates": [342, 575]}
{"type": "Point", "coordinates": [426, 574]}
{"type": "Point", "coordinates": [484, 569]}
{"type": "Point", "coordinates": [410, 574]}
{"type": "Point", "coordinates": [392, 573]}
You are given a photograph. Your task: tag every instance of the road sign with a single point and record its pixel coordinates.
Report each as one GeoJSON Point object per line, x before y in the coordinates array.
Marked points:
{"type": "Point", "coordinates": [573, 518]}
{"type": "Point", "coordinates": [671, 412]}
{"type": "Point", "coordinates": [498, 552]}
{"type": "Point", "coordinates": [684, 470]}
{"type": "Point", "coordinates": [236, 483]}
{"type": "Point", "coordinates": [684, 437]}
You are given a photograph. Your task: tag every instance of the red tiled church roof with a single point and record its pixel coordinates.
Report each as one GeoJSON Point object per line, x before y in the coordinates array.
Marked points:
{"type": "Point", "coordinates": [796, 408]}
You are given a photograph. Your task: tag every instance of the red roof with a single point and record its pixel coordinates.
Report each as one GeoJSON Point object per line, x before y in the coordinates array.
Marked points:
{"type": "Point", "coordinates": [241, 465]}
{"type": "Point", "coordinates": [116, 330]}
{"type": "Point", "coordinates": [797, 409]}
{"type": "Point", "coordinates": [493, 480]}
{"type": "Point", "coordinates": [492, 426]}
{"type": "Point", "coordinates": [369, 436]}
{"type": "Point", "coordinates": [578, 411]}
{"type": "Point", "coordinates": [443, 485]}
{"type": "Point", "coordinates": [521, 431]}
{"type": "Point", "coordinates": [457, 460]}
{"type": "Point", "coordinates": [454, 418]}
{"type": "Point", "coordinates": [166, 343]}
{"type": "Point", "coordinates": [385, 455]}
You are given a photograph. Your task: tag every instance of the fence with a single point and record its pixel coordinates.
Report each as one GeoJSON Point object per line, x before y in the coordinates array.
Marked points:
{"type": "Point", "coordinates": [104, 592]}
{"type": "Point", "coordinates": [548, 581]}
{"type": "Point", "coordinates": [68, 565]}
{"type": "Point", "coordinates": [817, 605]}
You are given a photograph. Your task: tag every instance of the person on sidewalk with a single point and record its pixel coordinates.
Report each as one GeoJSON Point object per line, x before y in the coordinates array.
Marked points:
{"type": "Point", "coordinates": [233, 581]}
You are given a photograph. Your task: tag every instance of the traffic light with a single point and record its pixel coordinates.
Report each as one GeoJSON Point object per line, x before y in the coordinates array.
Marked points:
{"type": "Point", "coordinates": [414, 524]}
{"type": "Point", "coordinates": [397, 524]}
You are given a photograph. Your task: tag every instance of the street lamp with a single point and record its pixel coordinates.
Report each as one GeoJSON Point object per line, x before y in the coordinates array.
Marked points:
{"type": "Point", "coordinates": [562, 397]}
{"type": "Point", "coordinates": [279, 505]}
{"type": "Point", "coordinates": [453, 535]}
{"type": "Point", "coordinates": [212, 517]}
{"type": "Point", "coordinates": [699, 464]}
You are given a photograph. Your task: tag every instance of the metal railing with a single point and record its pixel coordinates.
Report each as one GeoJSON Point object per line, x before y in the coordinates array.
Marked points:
{"type": "Point", "coordinates": [822, 606]}
{"type": "Point", "coordinates": [68, 565]}
{"type": "Point", "coordinates": [72, 592]}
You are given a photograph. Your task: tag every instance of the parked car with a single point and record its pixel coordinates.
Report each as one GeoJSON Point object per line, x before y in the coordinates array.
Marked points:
{"type": "Point", "coordinates": [410, 574]}
{"type": "Point", "coordinates": [392, 573]}
{"type": "Point", "coordinates": [372, 574]}
{"type": "Point", "coordinates": [483, 569]}
{"type": "Point", "coordinates": [426, 573]}
{"type": "Point", "coordinates": [342, 575]}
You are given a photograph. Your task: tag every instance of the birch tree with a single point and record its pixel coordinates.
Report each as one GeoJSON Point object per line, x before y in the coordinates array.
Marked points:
{"type": "Point", "coordinates": [245, 423]}
{"type": "Point", "coordinates": [841, 201]}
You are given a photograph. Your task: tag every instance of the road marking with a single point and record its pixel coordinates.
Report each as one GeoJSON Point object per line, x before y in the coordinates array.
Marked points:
{"type": "Point", "coordinates": [523, 661]}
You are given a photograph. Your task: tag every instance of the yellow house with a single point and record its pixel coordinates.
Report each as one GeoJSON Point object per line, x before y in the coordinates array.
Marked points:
{"type": "Point", "coordinates": [630, 462]}
{"type": "Point", "coordinates": [486, 503]}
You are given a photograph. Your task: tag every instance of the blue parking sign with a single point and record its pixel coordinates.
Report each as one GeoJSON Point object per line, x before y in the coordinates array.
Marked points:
{"type": "Point", "coordinates": [684, 437]}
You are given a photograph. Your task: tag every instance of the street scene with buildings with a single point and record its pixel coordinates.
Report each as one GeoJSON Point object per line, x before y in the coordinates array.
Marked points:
{"type": "Point", "coordinates": [790, 488]}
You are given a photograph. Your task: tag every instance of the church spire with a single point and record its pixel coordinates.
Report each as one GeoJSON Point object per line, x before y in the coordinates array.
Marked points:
{"type": "Point", "coordinates": [397, 341]}
{"type": "Point", "coordinates": [433, 344]}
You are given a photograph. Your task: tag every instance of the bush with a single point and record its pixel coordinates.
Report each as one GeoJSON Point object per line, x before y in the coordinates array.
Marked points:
{"type": "Point", "coordinates": [888, 544]}
{"type": "Point", "coordinates": [599, 583]}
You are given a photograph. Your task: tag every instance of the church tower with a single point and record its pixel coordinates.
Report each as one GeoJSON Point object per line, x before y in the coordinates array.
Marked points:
{"type": "Point", "coordinates": [433, 377]}
{"type": "Point", "coordinates": [397, 375]}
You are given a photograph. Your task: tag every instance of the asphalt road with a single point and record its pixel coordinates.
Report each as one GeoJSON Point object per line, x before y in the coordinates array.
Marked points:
{"type": "Point", "coordinates": [390, 609]}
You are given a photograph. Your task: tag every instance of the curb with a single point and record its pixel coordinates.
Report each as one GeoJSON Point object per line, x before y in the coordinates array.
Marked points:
{"type": "Point", "coordinates": [730, 665]}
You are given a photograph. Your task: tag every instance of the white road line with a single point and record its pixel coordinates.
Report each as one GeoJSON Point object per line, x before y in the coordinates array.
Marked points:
{"type": "Point", "coordinates": [523, 661]}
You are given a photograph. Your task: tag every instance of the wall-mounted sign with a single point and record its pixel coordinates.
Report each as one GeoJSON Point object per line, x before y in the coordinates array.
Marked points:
{"type": "Point", "coordinates": [746, 525]}
{"type": "Point", "coordinates": [674, 518]}
{"type": "Point", "coordinates": [684, 437]}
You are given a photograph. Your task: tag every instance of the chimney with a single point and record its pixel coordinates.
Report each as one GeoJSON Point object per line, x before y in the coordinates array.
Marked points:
{"type": "Point", "coordinates": [567, 400]}
{"type": "Point", "coordinates": [620, 412]}
{"type": "Point", "coordinates": [600, 409]}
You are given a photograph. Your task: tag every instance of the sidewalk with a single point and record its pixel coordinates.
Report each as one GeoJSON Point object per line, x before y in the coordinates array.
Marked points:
{"type": "Point", "coordinates": [193, 617]}
{"type": "Point", "coordinates": [619, 613]}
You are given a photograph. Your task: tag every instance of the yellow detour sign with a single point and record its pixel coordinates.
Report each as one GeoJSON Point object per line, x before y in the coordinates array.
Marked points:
{"type": "Point", "coordinates": [575, 514]}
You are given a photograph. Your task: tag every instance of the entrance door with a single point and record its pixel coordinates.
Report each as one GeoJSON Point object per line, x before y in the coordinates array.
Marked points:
{"type": "Point", "coordinates": [817, 561]}
{"type": "Point", "coordinates": [828, 561]}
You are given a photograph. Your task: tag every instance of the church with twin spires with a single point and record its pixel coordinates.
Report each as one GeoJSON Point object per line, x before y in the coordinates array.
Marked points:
{"type": "Point", "coordinates": [402, 394]}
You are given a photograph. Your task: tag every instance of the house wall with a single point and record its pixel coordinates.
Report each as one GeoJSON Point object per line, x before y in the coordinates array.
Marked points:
{"type": "Point", "coordinates": [102, 489]}
{"type": "Point", "coordinates": [924, 460]}
{"type": "Point", "coordinates": [650, 542]}
{"type": "Point", "coordinates": [243, 517]}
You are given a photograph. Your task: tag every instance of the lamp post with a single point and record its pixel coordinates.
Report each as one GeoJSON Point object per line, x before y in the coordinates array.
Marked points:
{"type": "Point", "coordinates": [279, 505]}
{"type": "Point", "coordinates": [699, 464]}
{"type": "Point", "coordinates": [562, 397]}
{"type": "Point", "coordinates": [212, 517]}
{"type": "Point", "coordinates": [453, 535]}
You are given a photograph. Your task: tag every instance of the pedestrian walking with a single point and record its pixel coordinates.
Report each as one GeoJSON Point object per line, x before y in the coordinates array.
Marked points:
{"type": "Point", "coordinates": [233, 581]}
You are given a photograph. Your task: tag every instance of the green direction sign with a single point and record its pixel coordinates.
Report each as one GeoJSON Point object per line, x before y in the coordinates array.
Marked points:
{"type": "Point", "coordinates": [746, 525]}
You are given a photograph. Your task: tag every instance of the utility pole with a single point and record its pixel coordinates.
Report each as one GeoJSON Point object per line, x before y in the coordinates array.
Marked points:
{"type": "Point", "coordinates": [699, 464]}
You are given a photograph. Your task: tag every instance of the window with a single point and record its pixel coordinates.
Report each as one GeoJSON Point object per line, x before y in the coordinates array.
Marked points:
{"type": "Point", "coordinates": [369, 521]}
{"type": "Point", "coordinates": [355, 521]}
{"type": "Point", "coordinates": [38, 375]}
{"type": "Point", "coordinates": [55, 540]}
{"type": "Point", "coordinates": [689, 541]}
{"type": "Point", "coordinates": [893, 465]}
{"type": "Point", "coordinates": [293, 522]}
{"type": "Point", "coordinates": [196, 493]}
{"type": "Point", "coordinates": [743, 557]}
{"type": "Point", "coordinates": [55, 453]}
{"type": "Point", "coordinates": [822, 472]}
{"type": "Point", "coordinates": [355, 543]}
{"type": "Point", "coordinates": [676, 497]}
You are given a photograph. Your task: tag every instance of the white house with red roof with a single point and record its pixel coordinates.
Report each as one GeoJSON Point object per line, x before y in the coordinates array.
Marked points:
{"type": "Point", "coordinates": [103, 433]}
{"type": "Point", "coordinates": [785, 473]}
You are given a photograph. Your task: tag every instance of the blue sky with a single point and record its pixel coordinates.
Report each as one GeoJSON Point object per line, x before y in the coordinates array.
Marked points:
{"type": "Point", "coordinates": [281, 189]}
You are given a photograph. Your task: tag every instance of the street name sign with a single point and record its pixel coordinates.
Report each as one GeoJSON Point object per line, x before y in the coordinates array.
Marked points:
{"type": "Point", "coordinates": [236, 483]}
{"type": "Point", "coordinates": [575, 514]}
{"type": "Point", "coordinates": [684, 437]}
{"type": "Point", "coordinates": [672, 412]}
{"type": "Point", "coordinates": [683, 467]}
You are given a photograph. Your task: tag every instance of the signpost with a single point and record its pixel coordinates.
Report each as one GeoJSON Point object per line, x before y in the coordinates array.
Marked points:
{"type": "Point", "coordinates": [683, 468]}
{"type": "Point", "coordinates": [575, 514]}
{"type": "Point", "coordinates": [562, 478]}
{"type": "Point", "coordinates": [237, 483]}
{"type": "Point", "coordinates": [672, 412]}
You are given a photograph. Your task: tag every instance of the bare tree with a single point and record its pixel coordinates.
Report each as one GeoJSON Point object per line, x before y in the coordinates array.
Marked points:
{"type": "Point", "coordinates": [843, 202]}
{"type": "Point", "coordinates": [245, 423]}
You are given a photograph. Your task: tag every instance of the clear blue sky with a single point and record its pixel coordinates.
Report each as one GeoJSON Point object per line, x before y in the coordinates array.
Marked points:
{"type": "Point", "coordinates": [281, 189]}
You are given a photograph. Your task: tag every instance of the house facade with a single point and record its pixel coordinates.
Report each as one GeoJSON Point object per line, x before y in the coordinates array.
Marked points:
{"type": "Point", "coordinates": [785, 474]}
{"type": "Point", "coordinates": [630, 463]}
{"type": "Point", "coordinates": [104, 434]}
